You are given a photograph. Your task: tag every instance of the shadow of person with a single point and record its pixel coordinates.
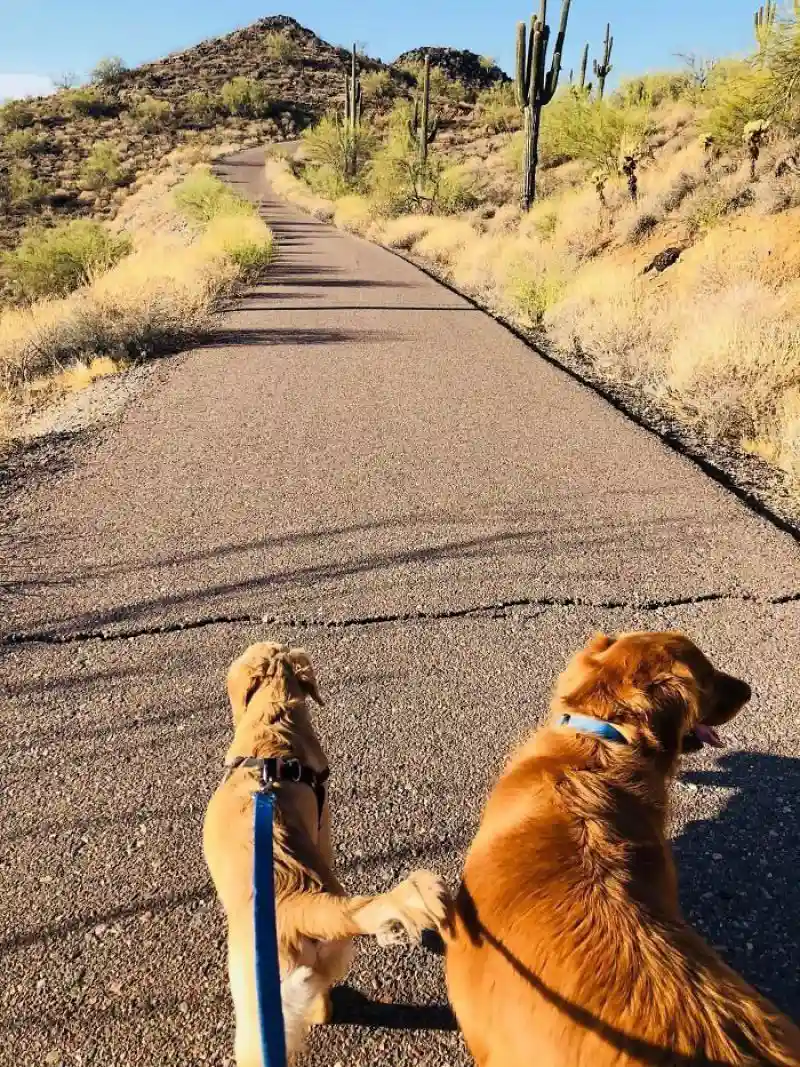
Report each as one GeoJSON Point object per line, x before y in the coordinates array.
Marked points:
{"type": "Point", "coordinates": [739, 871]}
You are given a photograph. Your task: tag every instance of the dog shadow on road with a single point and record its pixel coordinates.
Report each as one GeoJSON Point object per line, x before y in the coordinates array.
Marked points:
{"type": "Point", "coordinates": [738, 870]}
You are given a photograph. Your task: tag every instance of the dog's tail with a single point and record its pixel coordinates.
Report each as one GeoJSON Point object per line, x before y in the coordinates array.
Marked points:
{"type": "Point", "coordinates": [299, 990]}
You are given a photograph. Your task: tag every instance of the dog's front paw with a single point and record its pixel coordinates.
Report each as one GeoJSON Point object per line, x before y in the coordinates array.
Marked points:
{"type": "Point", "coordinates": [391, 933]}
{"type": "Point", "coordinates": [423, 901]}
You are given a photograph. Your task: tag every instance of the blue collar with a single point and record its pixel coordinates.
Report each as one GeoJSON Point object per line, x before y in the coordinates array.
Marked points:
{"type": "Point", "coordinates": [585, 724]}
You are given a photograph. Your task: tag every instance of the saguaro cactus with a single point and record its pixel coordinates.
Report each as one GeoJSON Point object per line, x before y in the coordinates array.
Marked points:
{"type": "Point", "coordinates": [422, 129]}
{"type": "Point", "coordinates": [764, 20]}
{"type": "Point", "coordinates": [535, 88]}
{"type": "Point", "coordinates": [584, 63]}
{"type": "Point", "coordinates": [352, 114]}
{"type": "Point", "coordinates": [602, 70]}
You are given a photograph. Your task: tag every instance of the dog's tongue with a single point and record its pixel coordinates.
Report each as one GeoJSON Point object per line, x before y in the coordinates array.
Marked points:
{"type": "Point", "coordinates": [709, 736]}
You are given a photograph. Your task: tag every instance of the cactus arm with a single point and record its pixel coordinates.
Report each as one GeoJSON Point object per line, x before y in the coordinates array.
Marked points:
{"type": "Point", "coordinates": [521, 79]}
{"type": "Point", "coordinates": [558, 49]}
{"type": "Point", "coordinates": [584, 63]}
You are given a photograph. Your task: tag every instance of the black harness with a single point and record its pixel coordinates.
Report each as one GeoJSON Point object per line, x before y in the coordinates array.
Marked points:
{"type": "Point", "coordinates": [274, 770]}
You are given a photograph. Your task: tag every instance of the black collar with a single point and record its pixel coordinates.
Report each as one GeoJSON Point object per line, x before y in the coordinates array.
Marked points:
{"type": "Point", "coordinates": [275, 770]}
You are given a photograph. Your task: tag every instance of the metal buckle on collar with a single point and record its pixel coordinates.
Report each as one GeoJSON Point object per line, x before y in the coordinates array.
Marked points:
{"type": "Point", "coordinates": [290, 770]}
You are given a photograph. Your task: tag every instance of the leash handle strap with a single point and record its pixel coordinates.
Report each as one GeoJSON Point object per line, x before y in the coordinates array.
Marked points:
{"type": "Point", "coordinates": [268, 979]}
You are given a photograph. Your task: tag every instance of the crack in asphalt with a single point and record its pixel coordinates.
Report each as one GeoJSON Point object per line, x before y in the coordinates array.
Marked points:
{"type": "Point", "coordinates": [498, 610]}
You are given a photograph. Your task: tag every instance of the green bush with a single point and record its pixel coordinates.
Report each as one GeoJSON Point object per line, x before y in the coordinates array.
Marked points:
{"type": "Point", "coordinates": [108, 71]}
{"type": "Point", "coordinates": [456, 191]}
{"type": "Point", "coordinates": [532, 295]}
{"type": "Point", "coordinates": [246, 98]}
{"type": "Point", "coordinates": [200, 108]}
{"type": "Point", "coordinates": [89, 102]}
{"type": "Point", "coordinates": [103, 168]}
{"type": "Point", "coordinates": [16, 115]}
{"type": "Point", "coordinates": [782, 60]}
{"type": "Point", "coordinates": [58, 261]}
{"type": "Point", "coordinates": [152, 114]}
{"type": "Point", "coordinates": [574, 127]}
{"type": "Point", "coordinates": [444, 88]}
{"type": "Point", "coordinates": [21, 143]}
{"type": "Point", "coordinates": [330, 145]}
{"type": "Point", "coordinates": [281, 48]}
{"type": "Point", "coordinates": [498, 108]}
{"type": "Point", "coordinates": [650, 90]}
{"type": "Point", "coordinates": [24, 188]}
{"type": "Point", "coordinates": [201, 197]}
{"type": "Point", "coordinates": [738, 92]}
{"type": "Point", "coordinates": [377, 85]}
{"type": "Point", "coordinates": [399, 183]}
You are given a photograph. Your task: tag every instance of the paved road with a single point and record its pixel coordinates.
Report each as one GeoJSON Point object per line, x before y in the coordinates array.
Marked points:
{"type": "Point", "coordinates": [440, 518]}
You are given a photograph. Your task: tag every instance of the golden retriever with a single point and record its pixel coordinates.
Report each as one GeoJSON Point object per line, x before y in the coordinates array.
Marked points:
{"type": "Point", "coordinates": [316, 921]}
{"type": "Point", "coordinates": [567, 947]}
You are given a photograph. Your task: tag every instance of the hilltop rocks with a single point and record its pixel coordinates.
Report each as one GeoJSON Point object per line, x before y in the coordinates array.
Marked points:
{"type": "Point", "coordinates": [460, 64]}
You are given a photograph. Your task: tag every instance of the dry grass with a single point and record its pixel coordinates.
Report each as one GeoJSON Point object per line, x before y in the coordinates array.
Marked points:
{"type": "Point", "coordinates": [714, 340]}
{"type": "Point", "coordinates": [296, 192]}
{"type": "Point", "coordinates": [158, 299]}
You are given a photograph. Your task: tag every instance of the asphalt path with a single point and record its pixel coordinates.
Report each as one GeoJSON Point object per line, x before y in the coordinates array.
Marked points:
{"type": "Point", "coordinates": [391, 479]}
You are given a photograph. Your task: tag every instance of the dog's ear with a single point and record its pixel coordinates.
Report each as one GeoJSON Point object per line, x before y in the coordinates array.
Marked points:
{"type": "Point", "coordinates": [247, 673]}
{"type": "Point", "coordinates": [598, 643]}
{"type": "Point", "coordinates": [674, 702]}
{"type": "Point", "coordinates": [304, 673]}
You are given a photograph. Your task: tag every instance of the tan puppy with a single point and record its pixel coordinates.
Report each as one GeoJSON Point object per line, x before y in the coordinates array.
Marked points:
{"type": "Point", "coordinates": [268, 686]}
{"type": "Point", "coordinates": [567, 947]}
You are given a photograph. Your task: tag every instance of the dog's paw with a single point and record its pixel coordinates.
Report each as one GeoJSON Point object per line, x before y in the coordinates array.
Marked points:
{"type": "Point", "coordinates": [423, 902]}
{"type": "Point", "coordinates": [391, 933]}
{"type": "Point", "coordinates": [433, 895]}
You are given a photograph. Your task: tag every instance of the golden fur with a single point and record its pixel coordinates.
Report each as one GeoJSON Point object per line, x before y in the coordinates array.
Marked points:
{"type": "Point", "coordinates": [316, 921]}
{"type": "Point", "coordinates": [567, 947]}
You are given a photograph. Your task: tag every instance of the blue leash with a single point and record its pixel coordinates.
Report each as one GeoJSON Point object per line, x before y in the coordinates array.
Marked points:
{"type": "Point", "coordinates": [268, 979]}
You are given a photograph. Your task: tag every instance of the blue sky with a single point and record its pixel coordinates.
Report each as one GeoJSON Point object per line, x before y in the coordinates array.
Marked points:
{"type": "Point", "coordinates": [45, 38]}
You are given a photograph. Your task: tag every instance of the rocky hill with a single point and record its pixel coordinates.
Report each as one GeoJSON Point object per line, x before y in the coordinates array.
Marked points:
{"type": "Point", "coordinates": [473, 71]}
{"type": "Point", "coordinates": [79, 151]}
{"type": "Point", "coordinates": [76, 152]}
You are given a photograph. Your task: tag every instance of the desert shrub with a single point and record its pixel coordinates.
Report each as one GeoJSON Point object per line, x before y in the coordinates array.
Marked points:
{"type": "Point", "coordinates": [88, 101]}
{"type": "Point", "coordinates": [235, 95]}
{"type": "Point", "coordinates": [454, 190]}
{"type": "Point", "coordinates": [353, 213]}
{"type": "Point", "coordinates": [102, 168]}
{"type": "Point", "coordinates": [498, 109]}
{"type": "Point", "coordinates": [245, 240]}
{"type": "Point", "coordinates": [21, 143]}
{"type": "Point", "coordinates": [594, 131]}
{"type": "Point", "coordinates": [200, 107]}
{"type": "Point", "coordinates": [445, 88]}
{"type": "Point", "coordinates": [738, 93]}
{"type": "Point", "coordinates": [55, 262]}
{"type": "Point", "coordinates": [16, 115]}
{"type": "Point", "coordinates": [245, 98]}
{"type": "Point", "coordinates": [532, 295]}
{"type": "Point", "coordinates": [651, 90]}
{"type": "Point", "coordinates": [377, 85]}
{"type": "Point", "coordinates": [400, 184]}
{"type": "Point", "coordinates": [202, 197]}
{"type": "Point", "coordinates": [152, 114]}
{"type": "Point", "coordinates": [782, 60]}
{"type": "Point", "coordinates": [25, 190]}
{"type": "Point", "coordinates": [281, 48]}
{"type": "Point", "coordinates": [330, 148]}
{"type": "Point", "coordinates": [109, 71]}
